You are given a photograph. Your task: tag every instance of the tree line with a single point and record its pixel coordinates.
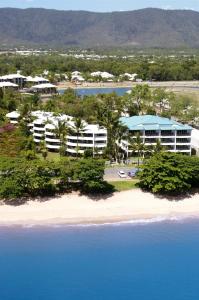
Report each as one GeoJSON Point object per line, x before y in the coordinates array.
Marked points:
{"type": "Point", "coordinates": [148, 68]}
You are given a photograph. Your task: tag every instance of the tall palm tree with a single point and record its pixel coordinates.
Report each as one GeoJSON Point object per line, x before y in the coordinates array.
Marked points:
{"type": "Point", "coordinates": [141, 97]}
{"type": "Point", "coordinates": [109, 109]}
{"type": "Point", "coordinates": [78, 128]}
{"type": "Point", "coordinates": [61, 132]}
{"type": "Point", "coordinates": [120, 132]}
{"type": "Point", "coordinates": [137, 145]}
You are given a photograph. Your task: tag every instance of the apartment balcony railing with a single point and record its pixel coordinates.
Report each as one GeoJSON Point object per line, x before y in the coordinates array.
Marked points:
{"type": "Point", "coordinates": [183, 133]}
{"type": "Point", "coordinates": [167, 133]}
{"type": "Point", "coordinates": [183, 141]}
{"type": "Point", "coordinates": [167, 141]}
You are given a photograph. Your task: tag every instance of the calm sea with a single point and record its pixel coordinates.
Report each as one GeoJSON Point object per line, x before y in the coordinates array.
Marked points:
{"type": "Point", "coordinates": [93, 91]}
{"type": "Point", "coordinates": [155, 261]}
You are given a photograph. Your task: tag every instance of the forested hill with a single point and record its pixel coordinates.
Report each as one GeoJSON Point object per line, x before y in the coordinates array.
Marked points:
{"type": "Point", "coordinates": [142, 28]}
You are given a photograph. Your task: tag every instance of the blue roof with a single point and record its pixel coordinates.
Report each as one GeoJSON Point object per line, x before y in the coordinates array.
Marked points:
{"type": "Point", "coordinates": [150, 122]}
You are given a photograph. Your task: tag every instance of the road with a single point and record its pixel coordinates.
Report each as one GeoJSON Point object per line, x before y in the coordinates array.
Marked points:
{"type": "Point", "coordinates": [111, 174]}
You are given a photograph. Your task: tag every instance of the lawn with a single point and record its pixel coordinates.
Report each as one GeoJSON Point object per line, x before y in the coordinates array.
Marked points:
{"type": "Point", "coordinates": [51, 156]}
{"type": "Point", "coordinates": [124, 185]}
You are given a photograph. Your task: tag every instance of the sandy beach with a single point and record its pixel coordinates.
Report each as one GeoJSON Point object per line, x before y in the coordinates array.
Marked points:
{"type": "Point", "coordinates": [77, 209]}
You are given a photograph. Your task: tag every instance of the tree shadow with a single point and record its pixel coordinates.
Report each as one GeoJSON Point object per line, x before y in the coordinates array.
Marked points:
{"type": "Point", "coordinates": [178, 197]}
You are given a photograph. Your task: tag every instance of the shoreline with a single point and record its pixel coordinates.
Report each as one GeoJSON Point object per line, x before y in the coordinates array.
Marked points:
{"type": "Point", "coordinates": [132, 206]}
{"type": "Point", "coordinates": [128, 84]}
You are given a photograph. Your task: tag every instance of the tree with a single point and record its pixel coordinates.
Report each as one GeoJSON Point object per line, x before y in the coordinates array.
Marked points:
{"type": "Point", "coordinates": [78, 129]}
{"type": "Point", "coordinates": [90, 173]}
{"type": "Point", "coordinates": [170, 173]}
{"type": "Point", "coordinates": [19, 177]}
{"type": "Point", "coordinates": [11, 140]}
{"type": "Point", "coordinates": [119, 132]}
{"type": "Point", "coordinates": [110, 108]}
{"type": "Point", "coordinates": [138, 147]}
{"type": "Point", "coordinates": [43, 149]}
{"type": "Point", "coordinates": [141, 97]}
{"type": "Point", "coordinates": [61, 132]}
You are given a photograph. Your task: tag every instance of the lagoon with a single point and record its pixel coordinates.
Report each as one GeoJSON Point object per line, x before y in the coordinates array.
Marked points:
{"type": "Point", "coordinates": [94, 91]}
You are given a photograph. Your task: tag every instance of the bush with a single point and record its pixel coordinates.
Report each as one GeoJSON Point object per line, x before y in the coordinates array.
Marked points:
{"type": "Point", "coordinates": [170, 173]}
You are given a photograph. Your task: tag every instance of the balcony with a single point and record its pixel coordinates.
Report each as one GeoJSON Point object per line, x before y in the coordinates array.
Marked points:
{"type": "Point", "coordinates": [183, 133]}
{"type": "Point", "coordinates": [167, 141]}
{"type": "Point", "coordinates": [167, 133]}
{"type": "Point", "coordinates": [183, 147]}
{"type": "Point", "coordinates": [151, 133]}
{"type": "Point", "coordinates": [151, 141]}
{"type": "Point", "coordinates": [183, 141]}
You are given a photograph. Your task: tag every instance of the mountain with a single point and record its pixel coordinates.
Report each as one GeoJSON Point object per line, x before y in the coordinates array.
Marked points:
{"type": "Point", "coordinates": [143, 28]}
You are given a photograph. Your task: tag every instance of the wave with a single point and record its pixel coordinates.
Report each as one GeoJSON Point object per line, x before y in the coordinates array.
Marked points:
{"type": "Point", "coordinates": [139, 222]}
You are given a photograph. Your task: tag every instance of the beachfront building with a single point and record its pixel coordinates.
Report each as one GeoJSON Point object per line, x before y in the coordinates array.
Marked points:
{"type": "Point", "coordinates": [44, 127]}
{"type": "Point", "coordinates": [174, 136]}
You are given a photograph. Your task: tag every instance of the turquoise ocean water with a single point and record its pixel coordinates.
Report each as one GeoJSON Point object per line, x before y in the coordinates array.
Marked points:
{"type": "Point", "coordinates": [157, 261]}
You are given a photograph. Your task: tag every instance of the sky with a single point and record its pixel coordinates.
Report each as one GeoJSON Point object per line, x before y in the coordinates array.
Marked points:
{"type": "Point", "coordinates": [102, 5]}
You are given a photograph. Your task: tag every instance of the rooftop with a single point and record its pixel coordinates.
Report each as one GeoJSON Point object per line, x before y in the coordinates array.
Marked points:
{"type": "Point", "coordinates": [150, 122]}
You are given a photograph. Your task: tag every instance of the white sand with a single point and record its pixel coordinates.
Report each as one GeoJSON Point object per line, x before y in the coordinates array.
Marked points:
{"type": "Point", "coordinates": [75, 209]}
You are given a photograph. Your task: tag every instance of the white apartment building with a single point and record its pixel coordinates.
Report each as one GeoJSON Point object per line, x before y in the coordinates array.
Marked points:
{"type": "Point", "coordinates": [44, 127]}
{"type": "Point", "coordinates": [174, 136]}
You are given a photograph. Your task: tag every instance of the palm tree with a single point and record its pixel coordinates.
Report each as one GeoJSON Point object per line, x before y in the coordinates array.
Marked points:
{"type": "Point", "coordinates": [120, 132]}
{"type": "Point", "coordinates": [109, 111]}
{"type": "Point", "coordinates": [137, 145]}
{"type": "Point", "coordinates": [158, 147]}
{"type": "Point", "coordinates": [78, 129]}
{"type": "Point", "coordinates": [141, 97]}
{"type": "Point", "coordinates": [61, 132]}
{"type": "Point", "coordinates": [43, 149]}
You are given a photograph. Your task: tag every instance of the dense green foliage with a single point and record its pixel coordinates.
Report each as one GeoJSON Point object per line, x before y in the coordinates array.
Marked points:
{"type": "Point", "coordinates": [21, 178]}
{"type": "Point", "coordinates": [170, 173]}
{"type": "Point", "coordinates": [148, 67]}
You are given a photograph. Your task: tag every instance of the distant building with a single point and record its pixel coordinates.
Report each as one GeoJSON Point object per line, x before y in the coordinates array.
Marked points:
{"type": "Point", "coordinates": [17, 79]}
{"type": "Point", "coordinates": [4, 85]}
{"type": "Point", "coordinates": [13, 117]}
{"type": "Point", "coordinates": [175, 137]}
{"type": "Point", "coordinates": [36, 80]}
{"type": "Point", "coordinates": [44, 88]}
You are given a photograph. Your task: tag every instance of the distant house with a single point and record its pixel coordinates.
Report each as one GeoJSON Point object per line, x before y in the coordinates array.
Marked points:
{"type": "Point", "coordinates": [44, 88]}
{"type": "Point", "coordinates": [103, 75]}
{"type": "Point", "coordinates": [17, 79]}
{"type": "Point", "coordinates": [128, 76]}
{"type": "Point", "coordinates": [36, 80]}
{"type": "Point", "coordinates": [13, 117]}
{"type": "Point", "coordinates": [8, 85]}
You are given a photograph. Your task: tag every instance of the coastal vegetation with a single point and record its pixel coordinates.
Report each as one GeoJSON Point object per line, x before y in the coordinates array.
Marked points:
{"type": "Point", "coordinates": [170, 173]}
{"type": "Point", "coordinates": [20, 177]}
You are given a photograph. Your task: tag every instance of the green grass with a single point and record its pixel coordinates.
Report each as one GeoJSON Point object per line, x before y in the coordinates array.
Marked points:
{"type": "Point", "coordinates": [124, 185]}
{"type": "Point", "coordinates": [51, 156]}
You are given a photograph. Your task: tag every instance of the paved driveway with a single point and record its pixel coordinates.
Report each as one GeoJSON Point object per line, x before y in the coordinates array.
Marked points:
{"type": "Point", "coordinates": [111, 174]}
